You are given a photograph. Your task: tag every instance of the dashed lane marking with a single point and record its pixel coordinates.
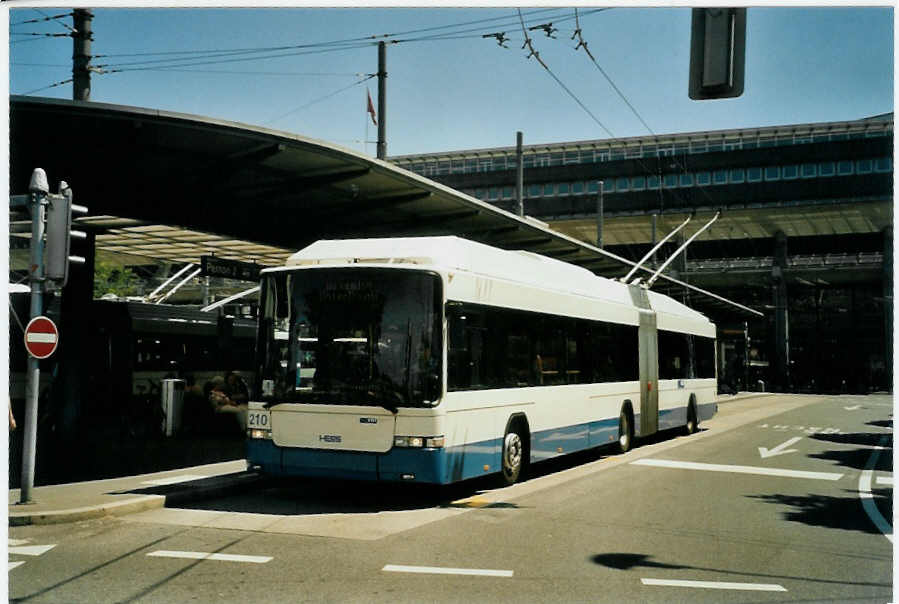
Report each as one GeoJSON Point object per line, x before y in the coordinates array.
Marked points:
{"type": "Point", "coordinates": [714, 585]}
{"type": "Point", "coordinates": [434, 570]}
{"type": "Point", "coordinates": [210, 556]}
{"type": "Point", "coordinates": [713, 467]}
{"type": "Point", "coordinates": [13, 565]}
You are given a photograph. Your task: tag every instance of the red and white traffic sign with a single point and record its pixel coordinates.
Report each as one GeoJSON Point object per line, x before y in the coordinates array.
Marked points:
{"type": "Point", "coordinates": [41, 337]}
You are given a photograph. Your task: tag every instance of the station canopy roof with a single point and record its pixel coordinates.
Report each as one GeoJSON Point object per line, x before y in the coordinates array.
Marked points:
{"type": "Point", "coordinates": [175, 187]}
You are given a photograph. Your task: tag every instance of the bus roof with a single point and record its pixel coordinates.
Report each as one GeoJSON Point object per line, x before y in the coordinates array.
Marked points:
{"type": "Point", "coordinates": [450, 253]}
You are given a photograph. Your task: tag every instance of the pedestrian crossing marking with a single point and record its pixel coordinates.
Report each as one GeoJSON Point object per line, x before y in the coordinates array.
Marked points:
{"type": "Point", "coordinates": [17, 546]}
{"type": "Point", "coordinates": [31, 550]}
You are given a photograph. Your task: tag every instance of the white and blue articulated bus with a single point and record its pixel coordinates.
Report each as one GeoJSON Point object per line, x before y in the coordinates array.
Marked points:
{"type": "Point", "coordinates": [438, 359]}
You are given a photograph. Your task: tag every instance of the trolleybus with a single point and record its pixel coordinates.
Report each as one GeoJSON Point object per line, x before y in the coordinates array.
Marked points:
{"type": "Point", "coordinates": [439, 359]}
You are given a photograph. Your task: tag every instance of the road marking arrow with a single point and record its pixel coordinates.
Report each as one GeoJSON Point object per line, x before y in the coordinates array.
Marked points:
{"type": "Point", "coordinates": [853, 408]}
{"type": "Point", "coordinates": [780, 449]}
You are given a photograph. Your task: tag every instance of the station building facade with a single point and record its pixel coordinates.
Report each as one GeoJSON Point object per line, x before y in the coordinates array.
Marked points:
{"type": "Point", "coordinates": [805, 233]}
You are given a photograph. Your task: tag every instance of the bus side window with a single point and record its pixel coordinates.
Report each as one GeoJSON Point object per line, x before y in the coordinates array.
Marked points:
{"type": "Point", "coordinates": [459, 355]}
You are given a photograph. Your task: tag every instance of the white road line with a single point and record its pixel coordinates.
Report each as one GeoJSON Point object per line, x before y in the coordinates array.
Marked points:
{"type": "Point", "coordinates": [713, 467]}
{"type": "Point", "coordinates": [13, 565]}
{"type": "Point", "coordinates": [174, 479]}
{"type": "Point", "coordinates": [864, 493]}
{"type": "Point", "coordinates": [884, 480]}
{"type": "Point", "coordinates": [208, 556]}
{"type": "Point", "coordinates": [31, 550]}
{"type": "Point", "coordinates": [11, 542]}
{"type": "Point", "coordinates": [433, 570]}
{"type": "Point", "coordinates": [715, 585]}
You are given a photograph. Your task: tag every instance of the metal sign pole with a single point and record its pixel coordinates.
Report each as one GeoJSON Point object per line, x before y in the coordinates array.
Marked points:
{"type": "Point", "coordinates": [39, 190]}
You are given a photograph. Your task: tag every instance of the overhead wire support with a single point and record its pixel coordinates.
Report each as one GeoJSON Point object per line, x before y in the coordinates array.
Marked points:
{"type": "Point", "coordinates": [44, 19]}
{"type": "Point", "coordinates": [501, 38]}
{"type": "Point", "coordinates": [64, 25]}
{"type": "Point", "coordinates": [547, 28]}
{"type": "Point", "coordinates": [528, 43]}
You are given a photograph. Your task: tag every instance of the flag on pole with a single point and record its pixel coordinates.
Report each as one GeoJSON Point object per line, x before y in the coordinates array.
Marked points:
{"type": "Point", "coordinates": [371, 110]}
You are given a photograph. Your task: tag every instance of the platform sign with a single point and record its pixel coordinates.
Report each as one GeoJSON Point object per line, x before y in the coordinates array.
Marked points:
{"type": "Point", "coordinates": [41, 337]}
{"type": "Point", "coordinates": [214, 266]}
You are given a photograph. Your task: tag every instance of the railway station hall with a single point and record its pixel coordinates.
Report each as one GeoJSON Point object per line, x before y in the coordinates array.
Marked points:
{"type": "Point", "coordinates": [805, 233]}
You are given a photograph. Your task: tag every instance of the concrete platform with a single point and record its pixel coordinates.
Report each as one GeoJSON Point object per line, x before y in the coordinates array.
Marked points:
{"type": "Point", "coordinates": [118, 496]}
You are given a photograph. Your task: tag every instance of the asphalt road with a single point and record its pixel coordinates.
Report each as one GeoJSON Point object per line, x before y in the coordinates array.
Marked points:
{"type": "Point", "coordinates": [778, 499]}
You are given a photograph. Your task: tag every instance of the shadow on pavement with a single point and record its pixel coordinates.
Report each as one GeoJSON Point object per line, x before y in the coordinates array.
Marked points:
{"type": "Point", "coordinates": [827, 511]}
{"type": "Point", "coordinates": [299, 497]}
{"type": "Point", "coordinates": [858, 458]}
{"type": "Point", "coordinates": [627, 561]}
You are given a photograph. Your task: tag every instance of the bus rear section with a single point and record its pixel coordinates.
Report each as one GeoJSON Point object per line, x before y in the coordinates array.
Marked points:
{"type": "Point", "coordinates": [349, 375]}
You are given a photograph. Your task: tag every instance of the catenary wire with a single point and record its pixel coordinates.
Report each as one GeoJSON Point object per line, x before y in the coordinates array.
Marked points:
{"type": "Point", "coordinates": [47, 87]}
{"type": "Point", "coordinates": [311, 45]}
{"type": "Point", "coordinates": [318, 100]}
{"type": "Point", "coordinates": [144, 67]}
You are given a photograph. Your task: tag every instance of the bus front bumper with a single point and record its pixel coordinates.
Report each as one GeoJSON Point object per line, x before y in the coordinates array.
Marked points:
{"type": "Point", "coordinates": [396, 465]}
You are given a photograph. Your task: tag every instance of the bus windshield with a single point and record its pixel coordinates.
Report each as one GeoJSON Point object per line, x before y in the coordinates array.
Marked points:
{"type": "Point", "coordinates": [350, 336]}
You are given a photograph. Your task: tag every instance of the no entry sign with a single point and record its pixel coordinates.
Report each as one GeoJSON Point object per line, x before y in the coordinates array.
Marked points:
{"type": "Point", "coordinates": [41, 337]}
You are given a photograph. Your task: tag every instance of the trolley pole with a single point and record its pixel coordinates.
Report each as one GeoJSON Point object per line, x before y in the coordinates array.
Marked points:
{"type": "Point", "coordinates": [38, 190]}
{"type": "Point", "coordinates": [81, 54]}
{"type": "Point", "coordinates": [382, 100]}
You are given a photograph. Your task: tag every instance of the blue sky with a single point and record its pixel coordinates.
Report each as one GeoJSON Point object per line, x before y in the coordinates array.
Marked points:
{"type": "Point", "coordinates": [804, 64]}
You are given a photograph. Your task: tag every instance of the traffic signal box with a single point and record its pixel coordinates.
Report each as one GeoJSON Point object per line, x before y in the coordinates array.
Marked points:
{"type": "Point", "coordinates": [717, 53]}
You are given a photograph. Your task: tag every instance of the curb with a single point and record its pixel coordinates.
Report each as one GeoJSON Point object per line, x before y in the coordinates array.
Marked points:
{"type": "Point", "coordinates": [117, 508]}
{"type": "Point", "coordinates": [148, 499]}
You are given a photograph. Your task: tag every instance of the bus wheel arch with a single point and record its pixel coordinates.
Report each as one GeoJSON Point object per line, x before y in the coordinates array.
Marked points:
{"type": "Point", "coordinates": [626, 427]}
{"type": "Point", "coordinates": [692, 425]}
{"type": "Point", "coordinates": [515, 450]}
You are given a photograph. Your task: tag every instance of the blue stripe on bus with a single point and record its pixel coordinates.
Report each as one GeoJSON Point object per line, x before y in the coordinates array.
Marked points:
{"type": "Point", "coordinates": [444, 466]}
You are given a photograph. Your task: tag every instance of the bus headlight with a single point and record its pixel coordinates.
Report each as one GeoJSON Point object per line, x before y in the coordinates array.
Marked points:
{"type": "Point", "coordinates": [419, 442]}
{"type": "Point", "coordinates": [266, 434]}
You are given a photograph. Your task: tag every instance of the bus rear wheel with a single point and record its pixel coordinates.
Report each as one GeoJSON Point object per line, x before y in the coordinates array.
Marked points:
{"type": "Point", "coordinates": [625, 432]}
{"type": "Point", "coordinates": [513, 457]}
